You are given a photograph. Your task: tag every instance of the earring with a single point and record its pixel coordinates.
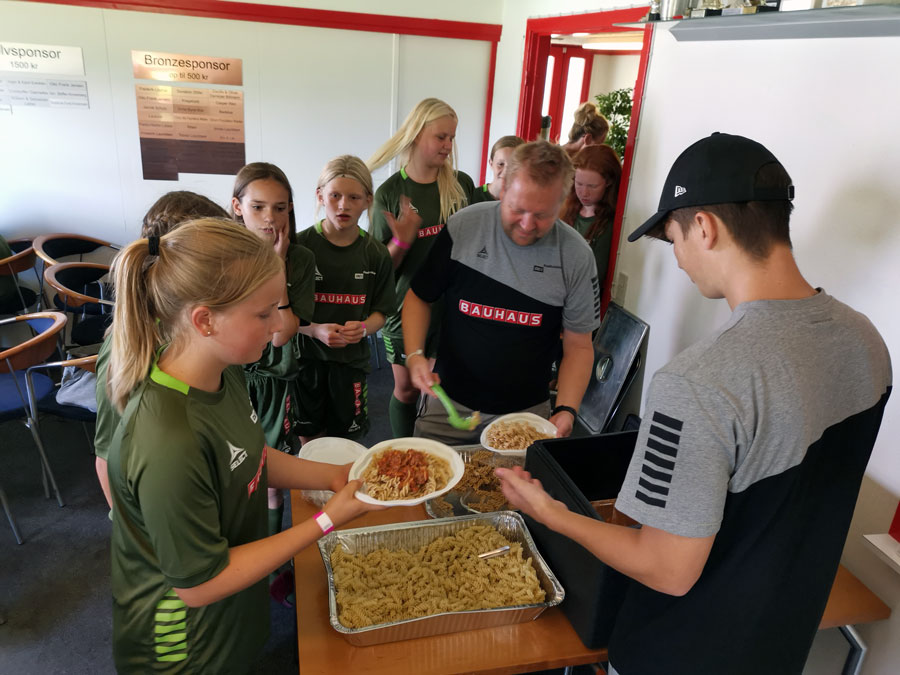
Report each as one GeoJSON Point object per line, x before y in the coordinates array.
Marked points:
{"type": "Point", "coordinates": [209, 332]}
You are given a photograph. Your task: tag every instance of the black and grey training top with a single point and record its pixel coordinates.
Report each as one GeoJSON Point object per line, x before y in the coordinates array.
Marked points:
{"type": "Point", "coordinates": [759, 435]}
{"type": "Point", "coordinates": [504, 307]}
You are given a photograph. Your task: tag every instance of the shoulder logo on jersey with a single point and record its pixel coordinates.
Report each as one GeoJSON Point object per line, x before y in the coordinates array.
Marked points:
{"type": "Point", "coordinates": [538, 268]}
{"type": "Point", "coordinates": [483, 254]}
{"type": "Point", "coordinates": [358, 275]}
{"type": "Point", "coordinates": [254, 482]}
{"type": "Point", "coordinates": [253, 416]}
{"type": "Point", "coordinates": [319, 276]}
{"type": "Point", "coordinates": [238, 455]}
{"type": "Point", "coordinates": [353, 427]}
{"type": "Point", "coordinates": [500, 314]}
{"type": "Point", "coordinates": [660, 454]}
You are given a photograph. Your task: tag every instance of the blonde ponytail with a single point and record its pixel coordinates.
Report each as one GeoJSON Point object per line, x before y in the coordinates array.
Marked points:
{"type": "Point", "coordinates": [210, 262]}
{"type": "Point", "coordinates": [453, 197]}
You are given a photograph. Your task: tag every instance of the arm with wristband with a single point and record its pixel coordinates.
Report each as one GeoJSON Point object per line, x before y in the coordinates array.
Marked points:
{"type": "Point", "coordinates": [248, 563]}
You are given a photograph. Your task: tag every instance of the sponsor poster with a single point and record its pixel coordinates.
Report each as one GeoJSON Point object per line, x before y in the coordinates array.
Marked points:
{"type": "Point", "coordinates": [20, 57]}
{"type": "Point", "coordinates": [188, 129]}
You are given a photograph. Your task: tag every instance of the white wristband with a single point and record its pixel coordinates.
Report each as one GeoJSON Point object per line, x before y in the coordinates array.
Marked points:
{"type": "Point", "coordinates": [365, 330]}
{"type": "Point", "coordinates": [324, 522]}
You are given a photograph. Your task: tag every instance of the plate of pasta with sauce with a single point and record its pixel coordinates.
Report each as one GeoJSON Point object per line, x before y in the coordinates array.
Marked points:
{"type": "Point", "coordinates": [406, 471]}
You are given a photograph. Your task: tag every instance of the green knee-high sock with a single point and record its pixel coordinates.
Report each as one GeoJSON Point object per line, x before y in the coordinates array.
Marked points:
{"type": "Point", "coordinates": [275, 517]}
{"type": "Point", "coordinates": [403, 417]}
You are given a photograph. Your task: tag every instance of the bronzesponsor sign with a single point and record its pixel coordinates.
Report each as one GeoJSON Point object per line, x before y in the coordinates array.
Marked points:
{"type": "Point", "coordinates": [165, 67]}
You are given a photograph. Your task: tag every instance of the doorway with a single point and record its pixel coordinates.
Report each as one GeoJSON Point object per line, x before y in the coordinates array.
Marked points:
{"type": "Point", "coordinates": [560, 53]}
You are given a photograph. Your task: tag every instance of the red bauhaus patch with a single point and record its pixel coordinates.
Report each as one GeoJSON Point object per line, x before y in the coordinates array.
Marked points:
{"type": "Point", "coordinates": [341, 299]}
{"type": "Point", "coordinates": [512, 316]}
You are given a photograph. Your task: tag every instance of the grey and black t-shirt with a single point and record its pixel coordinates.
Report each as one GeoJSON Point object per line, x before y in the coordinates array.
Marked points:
{"type": "Point", "coordinates": [759, 435]}
{"type": "Point", "coordinates": [504, 307]}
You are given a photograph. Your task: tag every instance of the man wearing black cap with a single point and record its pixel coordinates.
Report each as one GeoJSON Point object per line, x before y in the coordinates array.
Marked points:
{"type": "Point", "coordinates": [753, 444]}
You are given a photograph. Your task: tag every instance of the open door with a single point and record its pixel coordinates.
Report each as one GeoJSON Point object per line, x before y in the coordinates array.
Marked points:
{"type": "Point", "coordinates": [556, 79]}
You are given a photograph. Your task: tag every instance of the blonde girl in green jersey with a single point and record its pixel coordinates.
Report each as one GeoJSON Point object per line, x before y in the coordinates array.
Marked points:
{"type": "Point", "coordinates": [188, 464]}
{"type": "Point", "coordinates": [411, 207]}
{"type": "Point", "coordinates": [354, 292]}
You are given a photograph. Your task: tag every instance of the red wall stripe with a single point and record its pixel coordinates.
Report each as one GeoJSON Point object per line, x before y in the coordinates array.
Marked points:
{"type": "Point", "coordinates": [298, 16]}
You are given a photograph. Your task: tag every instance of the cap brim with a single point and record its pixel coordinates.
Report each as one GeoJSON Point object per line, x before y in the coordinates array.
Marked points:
{"type": "Point", "coordinates": [648, 225]}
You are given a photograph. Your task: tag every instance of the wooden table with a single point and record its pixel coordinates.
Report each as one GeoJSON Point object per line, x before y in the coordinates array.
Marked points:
{"type": "Point", "coordinates": [548, 642]}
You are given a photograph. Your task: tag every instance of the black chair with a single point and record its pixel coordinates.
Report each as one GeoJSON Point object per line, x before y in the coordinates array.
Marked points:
{"type": "Point", "coordinates": [82, 294]}
{"type": "Point", "coordinates": [22, 259]}
{"type": "Point", "coordinates": [52, 249]}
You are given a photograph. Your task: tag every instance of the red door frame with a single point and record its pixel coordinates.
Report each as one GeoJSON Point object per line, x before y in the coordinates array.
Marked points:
{"type": "Point", "coordinates": [537, 48]}
{"type": "Point", "coordinates": [562, 54]}
{"type": "Point", "coordinates": [321, 18]}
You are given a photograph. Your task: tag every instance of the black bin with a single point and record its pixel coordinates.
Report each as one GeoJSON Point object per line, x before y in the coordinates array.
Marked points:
{"type": "Point", "coordinates": [577, 471]}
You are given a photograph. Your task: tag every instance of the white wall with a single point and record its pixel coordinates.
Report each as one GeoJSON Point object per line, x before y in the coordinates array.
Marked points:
{"type": "Point", "coordinates": [309, 95]}
{"type": "Point", "coordinates": [611, 72]}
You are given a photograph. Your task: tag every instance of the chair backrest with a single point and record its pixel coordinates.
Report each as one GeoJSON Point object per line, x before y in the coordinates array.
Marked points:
{"type": "Point", "coordinates": [36, 349]}
{"type": "Point", "coordinates": [71, 281]}
{"type": "Point", "coordinates": [51, 247]}
{"type": "Point", "coordinates": [22, 258]}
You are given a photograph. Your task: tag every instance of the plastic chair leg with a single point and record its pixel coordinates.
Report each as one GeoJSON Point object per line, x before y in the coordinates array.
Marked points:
{"type": "Point", "coordinates": [45, 464]}
{"type": "Point", "coordinates": [12, 523]}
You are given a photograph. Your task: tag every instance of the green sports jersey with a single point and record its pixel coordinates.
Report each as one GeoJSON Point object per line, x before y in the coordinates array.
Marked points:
{"type": "Point", "coordinates": [267, 379]}
{"type": "Point", "coordinates": [426, 198]}
{"type": "Point", "coordinates": [351, 282]}
{"type": "Point", "coordinates": [107, 415]}
{"type": "Point", "coordinates": [482, 194]}
{"type": "Point", "coordinates": [187, 470]}
{"type": "Point", "coordinates": [600, 245]}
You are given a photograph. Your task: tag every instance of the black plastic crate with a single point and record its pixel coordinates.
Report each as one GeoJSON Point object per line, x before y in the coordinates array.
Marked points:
{"type": "Point", "coordinates": [577, 471]}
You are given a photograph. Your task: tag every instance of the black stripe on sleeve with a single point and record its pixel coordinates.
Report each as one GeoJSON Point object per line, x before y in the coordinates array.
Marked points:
{"type": "Point", "coordinates": [653, 487]}
{"type": "Point", "coordinates": [650, 500]}
{"type": "Point", "coordinates": [667, 421]}
{"type": "Point", "coordinates": [664, 434]}
{"type": "Point", "coordinates": [659, 461]}
{"type": "Point", "coordinates": [657, 475]}
{"type": "Point", "coordinates": [662, 448]}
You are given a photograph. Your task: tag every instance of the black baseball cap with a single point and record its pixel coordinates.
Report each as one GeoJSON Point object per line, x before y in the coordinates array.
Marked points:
{"type": "Point", "coordinates": [718, 169]}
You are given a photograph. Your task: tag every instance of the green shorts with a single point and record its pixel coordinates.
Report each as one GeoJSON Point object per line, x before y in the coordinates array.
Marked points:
{"type": "Point", "coordinates": [395, 352]}
{"type": "Point", "coordinates": [332, 398]}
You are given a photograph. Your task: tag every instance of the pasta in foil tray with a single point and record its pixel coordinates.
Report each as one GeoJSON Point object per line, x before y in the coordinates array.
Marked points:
{"type": "Point", "coordinates": [444, 575]}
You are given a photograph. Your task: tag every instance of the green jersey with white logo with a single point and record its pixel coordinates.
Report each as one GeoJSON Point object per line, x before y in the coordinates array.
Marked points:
{"type": "Point", "coordinates": [187, 469]}
{"type": "Point", "coordinates": [427, 199]}
{"type": "Point", "coordinates": [351, 282]}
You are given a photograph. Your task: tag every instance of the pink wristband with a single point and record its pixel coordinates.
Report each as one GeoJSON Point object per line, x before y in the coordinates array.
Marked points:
{"type": "Point", "coordinates": [401, 244]}
{"type": "Point", "coordinates": [324, 522]}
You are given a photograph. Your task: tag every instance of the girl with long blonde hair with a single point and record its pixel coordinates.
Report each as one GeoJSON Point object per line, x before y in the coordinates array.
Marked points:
{"type": "Point", "coordinates": [188, 465]}
{"type": "Point", "coordinates": [411, 207]}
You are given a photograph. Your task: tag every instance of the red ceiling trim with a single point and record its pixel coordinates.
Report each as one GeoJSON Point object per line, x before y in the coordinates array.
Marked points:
{"type": "Point", "coordinates": [298, 16]}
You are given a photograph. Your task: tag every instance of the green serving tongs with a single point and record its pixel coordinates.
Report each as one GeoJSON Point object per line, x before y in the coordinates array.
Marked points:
{"type": "Point", "coordinates": [457, 422]}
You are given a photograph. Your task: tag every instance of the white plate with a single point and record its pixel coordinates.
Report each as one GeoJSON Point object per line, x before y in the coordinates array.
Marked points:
{"type": "Point", "coordinates": [536, 421]}
{"type": "Point", "coordinates": [457, 466]}
{"type": "Point", "coordinates": [330, 450]}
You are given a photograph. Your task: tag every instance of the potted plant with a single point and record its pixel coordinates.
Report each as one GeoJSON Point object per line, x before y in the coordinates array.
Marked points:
{"type": "Point", "coordinates": [616, 108]}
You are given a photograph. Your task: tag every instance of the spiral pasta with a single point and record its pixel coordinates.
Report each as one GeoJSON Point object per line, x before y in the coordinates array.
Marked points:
{"type": "Point", "coordinates": [445, 575]}
{"type": "Point", "coordinates": [405, 474]}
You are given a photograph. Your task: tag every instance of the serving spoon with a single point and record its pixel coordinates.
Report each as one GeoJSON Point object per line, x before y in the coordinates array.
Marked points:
{"type": "Point", "coordinates": [453, 416]}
